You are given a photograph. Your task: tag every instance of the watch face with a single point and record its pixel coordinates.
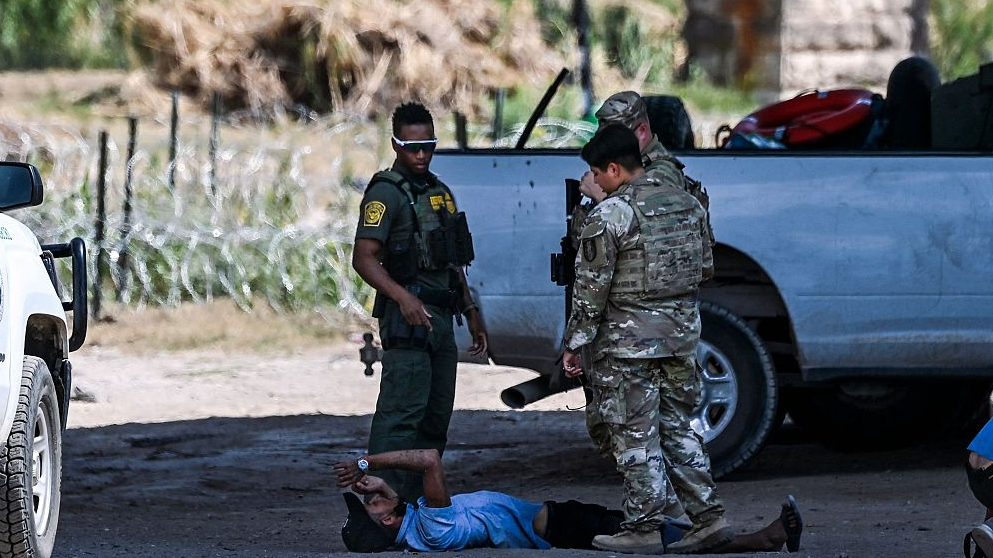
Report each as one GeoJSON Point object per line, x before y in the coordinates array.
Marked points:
{"type": "Point", "coordinates": [363, 464]}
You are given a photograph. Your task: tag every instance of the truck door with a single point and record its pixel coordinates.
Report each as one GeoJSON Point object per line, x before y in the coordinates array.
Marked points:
{"type": "Point", "coordinates": [515, 205]}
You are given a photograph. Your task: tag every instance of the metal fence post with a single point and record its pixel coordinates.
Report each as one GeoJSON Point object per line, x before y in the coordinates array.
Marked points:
{"type": "Point", "coordinates": [173, 139]}
{"type": "Point", "coordinates": [501, 98]}
{"type": "Point", "coordinates": [122, 259]}
{"type": "Point", "coordinates": [214, 138]}
{"type": "Point", "coordinates": [100, 221]}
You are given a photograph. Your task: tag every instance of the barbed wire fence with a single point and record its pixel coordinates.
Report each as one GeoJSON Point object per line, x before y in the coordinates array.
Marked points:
{"type": "Point", "coordinates": [266, 216]}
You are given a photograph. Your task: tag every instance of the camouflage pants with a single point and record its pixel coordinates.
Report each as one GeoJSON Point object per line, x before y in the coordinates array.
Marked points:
{"type": "Point", "coordinates": [626, 400]}
{"type": "Point", "coordinates": [686, 460]}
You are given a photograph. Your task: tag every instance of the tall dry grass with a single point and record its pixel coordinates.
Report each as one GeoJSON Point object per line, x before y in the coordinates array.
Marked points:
{"type": "Point", "coordinates": [358, 57]}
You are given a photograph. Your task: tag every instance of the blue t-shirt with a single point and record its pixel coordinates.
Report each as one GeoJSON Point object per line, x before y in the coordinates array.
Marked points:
{"type": "Point", "coordinates": [474, 520]}
{"type": "Point", "coordinates": [983, 442]}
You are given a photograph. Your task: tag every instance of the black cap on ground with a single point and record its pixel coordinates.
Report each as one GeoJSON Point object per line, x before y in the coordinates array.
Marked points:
{"type": "Point", "coordinates": [360, 532]}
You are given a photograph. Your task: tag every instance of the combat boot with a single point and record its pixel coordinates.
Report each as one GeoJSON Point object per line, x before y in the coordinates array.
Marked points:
{"type": "Point", "coordinates": [631, 542]}
{"type": "Point", "coordinates": [703, 538]}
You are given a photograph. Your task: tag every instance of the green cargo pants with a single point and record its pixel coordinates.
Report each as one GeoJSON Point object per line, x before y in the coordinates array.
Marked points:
{"type": "Point", "coordinates": [416, 397]}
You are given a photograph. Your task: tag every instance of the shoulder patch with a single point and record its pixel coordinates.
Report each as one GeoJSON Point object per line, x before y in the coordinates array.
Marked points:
{"type": "Point", "coordinates": [590, 251]}
{"type": "Point", "coordinates": [372, 214]}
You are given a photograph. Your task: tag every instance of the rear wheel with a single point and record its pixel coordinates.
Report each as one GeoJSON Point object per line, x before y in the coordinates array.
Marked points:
{"type": "Point", "coordinates": [738, 401]}
{"type": "Point", "coordinates": [31, 468]}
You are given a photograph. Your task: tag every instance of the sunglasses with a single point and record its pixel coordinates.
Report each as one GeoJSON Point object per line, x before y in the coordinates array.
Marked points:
{"type": "Point", "coordinates": [413, 146]}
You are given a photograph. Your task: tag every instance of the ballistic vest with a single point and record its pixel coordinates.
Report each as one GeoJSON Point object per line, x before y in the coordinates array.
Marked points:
{"type": "Point", "coordinates": [656, 158]}
{"type": "Point", "coordinates": [668, 260]}
{"type": "Point", "coordinates": [431, 236]}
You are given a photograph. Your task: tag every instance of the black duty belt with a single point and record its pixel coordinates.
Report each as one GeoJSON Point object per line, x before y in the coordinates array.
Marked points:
{"type": "Point", "coordinates": [444, 298]}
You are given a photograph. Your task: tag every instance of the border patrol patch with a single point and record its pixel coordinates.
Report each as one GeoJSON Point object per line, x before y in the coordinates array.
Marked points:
{"type": "Point", "coordinates": [373, 213]}
{"type": "Point", "coordinates": [449, 203]}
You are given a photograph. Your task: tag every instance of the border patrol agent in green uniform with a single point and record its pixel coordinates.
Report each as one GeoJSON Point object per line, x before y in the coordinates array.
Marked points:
{"type": "Point", "coordinates": [411, 245]}
{"type": "Point", "coordinates": [644, 252]}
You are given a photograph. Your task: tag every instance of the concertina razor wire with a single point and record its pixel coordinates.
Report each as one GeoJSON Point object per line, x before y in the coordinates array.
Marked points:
{"type": "Point", "coordinates": [274, 222]}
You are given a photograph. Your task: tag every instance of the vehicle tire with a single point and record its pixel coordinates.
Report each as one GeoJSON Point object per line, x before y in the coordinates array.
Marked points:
{"type": "Point", "coordinates": [669, 121]}
{"type": "Point", "coordinates": [31, 468]}
{"type": "Point", "coordinates": [887, 414]}
{"type": "Point", "coordinates": [738, 404]}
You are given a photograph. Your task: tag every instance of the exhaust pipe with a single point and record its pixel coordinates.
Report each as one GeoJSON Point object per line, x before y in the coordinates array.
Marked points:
{"type": "Point", "coordinates": [535, 389]}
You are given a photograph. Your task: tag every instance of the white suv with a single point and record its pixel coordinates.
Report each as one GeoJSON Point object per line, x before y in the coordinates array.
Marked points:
{"type": "Point", "coordinates": [35, 374]}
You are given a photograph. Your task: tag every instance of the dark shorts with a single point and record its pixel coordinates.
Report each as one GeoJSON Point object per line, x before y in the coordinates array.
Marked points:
{"type": "Point", "coordinates": [981, 484]}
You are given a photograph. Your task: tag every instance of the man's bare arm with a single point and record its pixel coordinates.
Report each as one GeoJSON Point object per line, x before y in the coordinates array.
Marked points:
{"type": "Point", "coordinates": [424, 461]}
{"type": "Point", "coordinates": [369, 485]}
{"type": "Point", "coordinates": [364, 261]}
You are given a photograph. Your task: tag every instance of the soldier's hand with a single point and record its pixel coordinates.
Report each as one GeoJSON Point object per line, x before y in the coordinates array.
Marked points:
{"type": "Point", "coordinates": [478, 332]}
{"type": "Point", "coordinates": [572, 364]}
{"type": "Point", "coordinates": [413, 311]}
{"type": "Point", "coordinates": [591, 189]}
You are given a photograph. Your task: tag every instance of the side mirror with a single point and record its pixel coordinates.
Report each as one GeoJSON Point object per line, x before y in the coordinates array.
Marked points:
{"type": "Point", "coordinates": [20, 186]}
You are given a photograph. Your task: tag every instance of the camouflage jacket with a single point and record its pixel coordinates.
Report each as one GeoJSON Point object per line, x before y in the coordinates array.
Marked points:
{"type": "Point", "coordinates": [661, 164]}
{"type": "Point", "coordinates": [628, 325]}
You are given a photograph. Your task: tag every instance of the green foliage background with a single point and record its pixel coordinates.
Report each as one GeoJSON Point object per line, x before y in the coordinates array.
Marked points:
{"type": "Point", "coordinates": [37, 34]}
{"type": "Point", "coordinates": [961, 36]}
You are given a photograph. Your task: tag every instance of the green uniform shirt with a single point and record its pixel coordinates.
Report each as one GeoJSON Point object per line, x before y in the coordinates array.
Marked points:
{"type": "Point", "coordinates": [386, 212]}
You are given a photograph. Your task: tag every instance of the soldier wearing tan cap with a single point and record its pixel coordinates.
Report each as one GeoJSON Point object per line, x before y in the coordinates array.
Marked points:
{"type": "Point", "coordinates": [687, 464]}
{"type": "Point", "coordinates": [629, 109]}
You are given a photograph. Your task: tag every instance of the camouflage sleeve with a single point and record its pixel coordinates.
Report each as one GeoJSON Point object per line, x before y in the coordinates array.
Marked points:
{"type": "Point", "coordinates": [576, 222]}
{"type": "Point", "coordinates": [599, 241]}
{"type": "Point", "coordinates": [667, 173]}
{"type": "Point", "coordinates": [708, 251]}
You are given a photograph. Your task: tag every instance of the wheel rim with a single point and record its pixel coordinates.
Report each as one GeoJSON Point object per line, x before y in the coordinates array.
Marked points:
{"type": "Point", "coordinates": [42, 472]}
{"type": "Point", "coordinates": [719, 393]}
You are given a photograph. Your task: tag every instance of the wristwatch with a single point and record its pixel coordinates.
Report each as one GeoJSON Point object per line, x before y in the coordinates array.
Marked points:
{"type": "Point", "coordinates": [363, 464]}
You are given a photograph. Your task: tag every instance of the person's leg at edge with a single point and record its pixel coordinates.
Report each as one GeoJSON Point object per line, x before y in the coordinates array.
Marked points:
{"type": "Point", "coordinates": [979, 471]}
{"type": "Point", "coordinates": [629, 405]}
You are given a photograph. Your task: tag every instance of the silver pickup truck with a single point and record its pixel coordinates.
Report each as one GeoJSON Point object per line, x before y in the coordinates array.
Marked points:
{"type": "Point", "coordinates": [852, 289]}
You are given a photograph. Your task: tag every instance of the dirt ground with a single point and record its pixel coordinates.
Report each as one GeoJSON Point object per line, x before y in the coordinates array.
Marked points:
{"type": "Point", "coordinates": [199, 452]}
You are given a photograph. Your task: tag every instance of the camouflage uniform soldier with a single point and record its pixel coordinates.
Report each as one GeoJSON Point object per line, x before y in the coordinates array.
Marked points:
{"type": "Point", "coordinates": [643, 253]}
{"type": "Point", "coordinates": [628, 108]}
{"type": "Point", "coordinates": [411, 244]}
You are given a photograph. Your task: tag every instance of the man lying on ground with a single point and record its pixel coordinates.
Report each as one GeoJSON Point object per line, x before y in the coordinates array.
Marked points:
{"type": "Point", "coordinates": [440, 521]}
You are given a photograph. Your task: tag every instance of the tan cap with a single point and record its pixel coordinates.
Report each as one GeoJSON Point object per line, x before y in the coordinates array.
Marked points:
{"type": "Point", "coordinates": [626, 107]}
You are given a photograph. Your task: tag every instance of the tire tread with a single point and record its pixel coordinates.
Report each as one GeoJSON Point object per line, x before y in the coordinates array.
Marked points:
{"type": "Point", "coordinates": [15, 522]}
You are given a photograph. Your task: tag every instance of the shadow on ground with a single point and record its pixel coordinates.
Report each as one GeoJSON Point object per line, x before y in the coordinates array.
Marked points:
{"type": "Point", "coordinates": [263, 486]}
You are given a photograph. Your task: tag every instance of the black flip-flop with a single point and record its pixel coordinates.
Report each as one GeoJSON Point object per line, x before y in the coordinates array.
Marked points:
{"type": "Point", "coordinates": [792, 532]}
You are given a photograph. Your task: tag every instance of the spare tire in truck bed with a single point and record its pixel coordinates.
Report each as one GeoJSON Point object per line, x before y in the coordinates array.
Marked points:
{"type": "Point", "coordinates": [669, 121]}
{"type": "Point", "coordinates": [908, 103]}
